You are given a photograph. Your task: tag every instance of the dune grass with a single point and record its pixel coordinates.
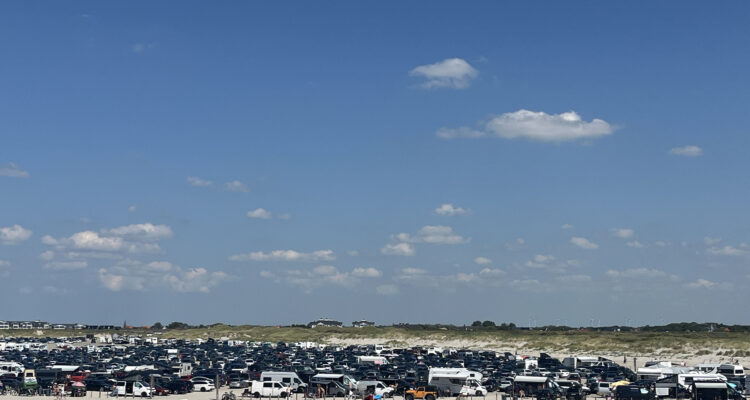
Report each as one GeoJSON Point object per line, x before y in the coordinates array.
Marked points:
{"type": "Point", "coordinates": [732, 344]}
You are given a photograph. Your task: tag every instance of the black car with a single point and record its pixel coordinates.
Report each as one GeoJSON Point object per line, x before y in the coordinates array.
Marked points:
{"type": "Point", "coordinates": [98, 384]}
{"type": "Point", "coordinates": [178, 386]}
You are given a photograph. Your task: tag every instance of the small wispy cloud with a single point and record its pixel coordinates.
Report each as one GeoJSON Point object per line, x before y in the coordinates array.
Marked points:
{"type": "Point", "coordinates": [259, 213]}
{"type": "Point", "coordinates": [236, 186]}
{"type": "Point", "coordinates": [141, 47]}
{"type": "Point", "coordinates": [12, 170]}
{"type": "Point", "coordinates": [199, 182]}
{"type": "Point", "coordinates": [453, 73]}
{"type": "Point", "coordinates": [449, 210]}
{"type": "Point", "coordinates": [583, 243]}
{"type": "Point", "coordinates": [686, 151]}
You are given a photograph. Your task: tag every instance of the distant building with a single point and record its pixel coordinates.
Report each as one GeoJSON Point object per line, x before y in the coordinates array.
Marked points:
{"type": "Point", "coordinates": [362, 323]}
{"type": "Point", "coordinates": [325, 322]}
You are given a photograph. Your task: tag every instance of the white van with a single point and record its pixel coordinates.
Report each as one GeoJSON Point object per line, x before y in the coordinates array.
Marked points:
{"type": "Point", "coordinates": [128, 388]}
{"type": "Point", "coordinates": [290, 379]}
{"type": "Point", "coordinates": [375, 387]}
{"type": "Point", "coordinates": [269, 389]}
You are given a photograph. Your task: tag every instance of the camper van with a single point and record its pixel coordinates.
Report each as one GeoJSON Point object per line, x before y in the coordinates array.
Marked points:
{"type": "Point", "coordinates": [531, 385]}
{"type": "Point", "coordinates": [269, 389]}
{"type": "Point", "coordinates": [712, 390]}
{"type": "Point", "coordinates": [129, 388]}
{"type": "Point", "coordinates": [456, 381]}
{"type": "Point", "coordinates": [377, 388]}
{"type": "Point", "coordinates": [290, 379]}
{"type": "Point", "coordinates": [345, 380]}
{"type": "Point", "coordinates": [11, 368]}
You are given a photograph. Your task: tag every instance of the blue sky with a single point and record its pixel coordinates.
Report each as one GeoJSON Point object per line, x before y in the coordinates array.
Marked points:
{"type": "Point", "coordinates": [535, 162]}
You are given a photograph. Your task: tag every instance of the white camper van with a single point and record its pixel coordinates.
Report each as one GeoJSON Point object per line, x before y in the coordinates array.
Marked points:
{"type": "Point", "coordinates": [269, 389]}
{"type": "Point", "coordinates": [128, 388]}
{"type": "Point", "coordinates": [11, 367]}
{"type": "Point", "coordinates": [457, 381]}
{"type": "Point", "coordinates": [377, 388]}
{"type": "Point", "coordinates": [290, 379]}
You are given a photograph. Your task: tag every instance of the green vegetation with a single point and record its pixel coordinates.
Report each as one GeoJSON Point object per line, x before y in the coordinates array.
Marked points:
{"type": "Point", "coordinates": [611, 342]}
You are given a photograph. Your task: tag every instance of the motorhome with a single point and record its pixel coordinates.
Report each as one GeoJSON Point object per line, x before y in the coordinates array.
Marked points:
{"type": "Point", "coordinates": [290, 379]}
{"type": "Point", "coordinates": [323, 379]}
{"type": "Point", "coordinates": [456, 381]}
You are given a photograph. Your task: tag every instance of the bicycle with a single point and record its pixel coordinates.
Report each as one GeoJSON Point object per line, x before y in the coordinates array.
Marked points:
{"type": "Point", "coordinates": [228, 396]}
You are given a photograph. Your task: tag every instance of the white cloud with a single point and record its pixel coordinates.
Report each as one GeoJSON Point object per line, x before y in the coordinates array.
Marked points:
{"type": "Point", "coordinates": [259, 213]}
{"type": "Point", "coordinates": [131, 208]}
{"type": "Point", "coordinates": [453, 73]}
{"type": "Point", "coordinates": [580, 278]}
{"type": "Point", "coordinates": [398, 249]}
{"type": "Point", "coordinates": [13, 235]}
{"type": "Point", "coordinates": [540, 261]}
{"type": "Point", "coordinates": [687, 151]}
{"type": "Point", "coordinates": [325, 270]}
{"type": "Point", "coordinates": [516, 244]}
{"type": "Point", "coordinates": [136, 238]}
{"type": "Point", "coordinates": [624, 233]}
{"type": "Point", "coordinates": [160, 275]}
{"type": "Point", "coordinates": [369, 272]}
{"type": "Point", "coordinates": [491, 272]}
{"type": "Point", "coordinates": [141, 47]}
{"type": "Point", "coordinates": [635, 244]}
{"type": "Point", "coordinates": [236, 186]}
{"type": "Point", "coordinates": [661, 243]}
{"type": "Point", "coordinates": [66, 265]}
{"type": "Point", "coordinates": [319, 277]}
{"type": "Point", "coordinates": [435, 234]}
{"type": "Point", "coordinates": [640, 273]}
{"type": "Point", "coordinates": [482, 261]}
{"type": "Point", "coordinates": [538, 126]}
{"type": "Point", "coordinates": [450, 210]}
{"type": "Point", "coordinates": [147, 231]}
{"type": "Point", "coordinates": [701, 284]}
{"type": "Point", "coordinates": [198, 182]}
{"type": "Point", "coordinates": [47, 255]}
{"type": "Point", "coordinates": [13, 171]}
{"type": "Point", "coordinates": [285, 255]}
{"type": "Point", "coordinates": [709, 241]}
{"type": "Point", "coordinates": [726, 251]}
{"type": "Point", "coordinates": [352, 253]}
{"type": "Point", "coordinates": [387, 289]}
{"type": "Point", "coordinates": [583, 243]}
{"type": "Point", "coordinates": [566, 226]}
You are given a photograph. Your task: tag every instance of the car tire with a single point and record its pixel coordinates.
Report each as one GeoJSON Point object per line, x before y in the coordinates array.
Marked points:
{"type": "Point", "coordinates": [203, 389]}
{"type": "Point", "coordinates": [144, 394]}
{"type": "Point", "coordinates": [411, 397]}
{"type": "Point", "coordinates": [479, 393]}
{"type": "Point", "coordinates": [256, 395]}
{"type": "Point", "coordinates": [428, 397]}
